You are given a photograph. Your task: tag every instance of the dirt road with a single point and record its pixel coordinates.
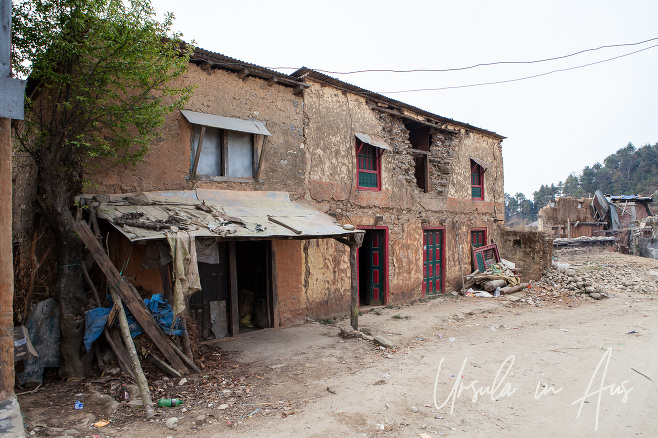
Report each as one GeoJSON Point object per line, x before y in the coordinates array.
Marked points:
{"type": "Point", "coordinates": [586, 368]}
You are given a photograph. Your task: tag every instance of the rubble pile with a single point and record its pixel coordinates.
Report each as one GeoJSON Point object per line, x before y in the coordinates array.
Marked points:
{"type": "Point", "coordinates": [610, 272]}
{"type": "Point", "coordinates": [564, 279]}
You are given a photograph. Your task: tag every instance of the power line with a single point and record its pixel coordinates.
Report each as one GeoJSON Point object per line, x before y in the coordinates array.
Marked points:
{"type": "Point", "coordinates": [471, 66]}
{"type": "Point", "coordinates": [520, 79]}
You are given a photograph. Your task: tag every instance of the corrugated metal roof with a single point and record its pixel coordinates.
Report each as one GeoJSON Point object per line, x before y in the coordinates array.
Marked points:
{"type": "Point", "coordinates": [373, 140]}
{"type": "Point", "coordinates": [307, 72]}
{"type": "Point", "coordinates": [485, 165]}
{"type": "Point", "coordinates": [228, 214]}
{"type": "Point", "coordinates": [251, 126]}
{"type": "Point", "coordinates": [232, 64]}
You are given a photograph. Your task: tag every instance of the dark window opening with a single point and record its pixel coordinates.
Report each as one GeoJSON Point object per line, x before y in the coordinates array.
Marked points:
{"type": "Point", "coordinates": [516, 243]}
{"type": "Point", "coordinates": [368, 166]}
{"type": "Point", "coordinates": [477, 181]}
{"type": "Point", "coordinates": [420, 139]}
{"type": "Point", "coordinates": [211, 307]}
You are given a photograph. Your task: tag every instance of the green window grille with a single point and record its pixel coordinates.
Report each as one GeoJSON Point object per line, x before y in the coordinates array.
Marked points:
{"type": "Point", "coordinates": [368, 166]}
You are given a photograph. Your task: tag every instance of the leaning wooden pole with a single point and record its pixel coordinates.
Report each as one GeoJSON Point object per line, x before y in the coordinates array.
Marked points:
{"type": "Point", "coordinates": [140, 378]}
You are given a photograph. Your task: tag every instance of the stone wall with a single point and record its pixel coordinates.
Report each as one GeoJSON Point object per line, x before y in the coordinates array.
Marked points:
{"type": "Point", "coordinates": [333, 116]}
{"type": "Point", "coordinates": [531, 251]}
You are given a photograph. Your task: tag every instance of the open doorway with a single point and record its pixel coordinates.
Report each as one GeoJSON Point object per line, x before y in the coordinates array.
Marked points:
{"type": "Point", "coordinates": [220, 311]}
{"type": "Point", "coordinates": [373, 268]}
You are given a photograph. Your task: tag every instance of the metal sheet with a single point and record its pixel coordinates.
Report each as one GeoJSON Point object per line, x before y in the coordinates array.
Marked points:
{"type": "Point", "coordinates": [252, 208]}
{"type": "Point", "coordinates": [373, 140]}
{"type": "Point", "coordinates": [251, 126]}
{"type": "Point", "coordinates": [482, 163]}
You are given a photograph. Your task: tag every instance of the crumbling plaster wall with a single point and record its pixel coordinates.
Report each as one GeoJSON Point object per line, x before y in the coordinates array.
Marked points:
{"type": "Point", "coordinates": [167, 164]}
{"type": "Point", "coordinates": [290, 297]}
{"type": "Point", "coordinates": [332, 117]}
{"type": "Point", "coordinates": [488, 149]}
{"type": "Point", "coordinates": [327, 278]}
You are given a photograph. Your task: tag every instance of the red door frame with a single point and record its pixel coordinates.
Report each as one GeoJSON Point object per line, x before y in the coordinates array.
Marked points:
{"type": "Point", "coordinates": [443, 256]}
{"type": "Point", "coordinates": [385, 250]}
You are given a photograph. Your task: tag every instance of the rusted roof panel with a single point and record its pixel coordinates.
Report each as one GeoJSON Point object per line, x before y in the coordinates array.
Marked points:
{"type": "Point", "coordinates": [485, 165]}
{"type": "Point", "coordinates": [250, 126]}
{"type": "Point", "coordinates": [373, 140]}
{"type": "Point", "coordinates": [227, 214]}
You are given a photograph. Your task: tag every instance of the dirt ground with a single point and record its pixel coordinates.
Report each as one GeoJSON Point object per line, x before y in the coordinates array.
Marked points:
{"type": "Point", "coordinates": [568, 366]}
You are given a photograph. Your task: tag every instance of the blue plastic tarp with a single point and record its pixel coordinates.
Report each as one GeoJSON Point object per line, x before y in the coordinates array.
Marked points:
{"type": "Point", "coordinates": [96, 320]}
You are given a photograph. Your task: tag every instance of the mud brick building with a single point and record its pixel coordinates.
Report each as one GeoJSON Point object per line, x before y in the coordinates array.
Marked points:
{"type": "Point", "coordinates": [569, 217]}
{"type": "Point", "coordinates": [423, 189]}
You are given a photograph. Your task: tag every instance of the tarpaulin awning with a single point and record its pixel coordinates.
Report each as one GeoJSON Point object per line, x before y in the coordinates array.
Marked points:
{"type": "Point", "coordinates": [372, 140]}
{"type": "Point", "coordinates": [230, 214]}
{"type": "Point", "coordinates": [250, 126]}
{"type": "Point", "coordinates": [482, 163]}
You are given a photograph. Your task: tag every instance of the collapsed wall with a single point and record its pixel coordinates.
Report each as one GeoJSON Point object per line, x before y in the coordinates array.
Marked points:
{"type": "Point", "coordinates": [531, 251]}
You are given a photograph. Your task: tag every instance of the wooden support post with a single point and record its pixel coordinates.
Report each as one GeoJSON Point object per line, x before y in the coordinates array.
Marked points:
{"type": "Point", "coordinates": [233, 273]}
{"type": "Point", "coordinates": [140, 378]}
{"type": "Point", "coordinates": [123, 358]}
{"type": "Point", "coordinates": [354, 314]}
{"type": "Point", "coordinates": [459, 255]}
{"type": "Point", "coordinates": [260, 159]}
{"type": "Point", "coordinates": [130, 296]}
{"type": "Point", "coordinates": [6, 265]}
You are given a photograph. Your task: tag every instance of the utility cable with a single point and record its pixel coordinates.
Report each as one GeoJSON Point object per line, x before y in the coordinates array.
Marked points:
{"type": "Point", "coordinates": [519, 79]}
{"type": "Point", "coordinates": [429, 70]}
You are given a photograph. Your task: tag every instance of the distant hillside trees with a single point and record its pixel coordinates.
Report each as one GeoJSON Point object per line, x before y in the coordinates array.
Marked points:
{"type": "Point", "coordinates": [629, 171]}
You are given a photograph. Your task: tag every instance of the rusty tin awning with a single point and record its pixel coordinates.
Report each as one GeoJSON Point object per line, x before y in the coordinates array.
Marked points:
{"type": "Point", "coordinates": [485, 165]}
{"type": "Point", "coordinates": [373, 140]}
{"type": "Point", "coordinates": [221, 122]}
{"type": "Point", "coordinates": [227, 214]}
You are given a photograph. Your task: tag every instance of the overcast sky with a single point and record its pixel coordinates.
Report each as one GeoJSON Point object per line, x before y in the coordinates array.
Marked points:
{"type": "Point", "coordinates": [555, 124]}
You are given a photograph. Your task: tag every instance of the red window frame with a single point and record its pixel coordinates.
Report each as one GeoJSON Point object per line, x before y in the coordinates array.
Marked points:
{"type": "Point", "coordinates": [477, 180]}
{"type": "Point", "coordinates": [483, 232]}
{"type": "Point", "coordinates": [368, 157]}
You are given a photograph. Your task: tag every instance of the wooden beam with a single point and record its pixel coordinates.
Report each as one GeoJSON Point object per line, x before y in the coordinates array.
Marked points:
{"type": "Point", "coordinates": [233, 274]}
{"type": "Point", "coordinates": [164, 366]}
{"type": "Point", "coordinates": [284, 225]}
{"type": "Point", "coordinates": [188, 361]}
{"type": "Point", "coordinates": [426, 175]}
{"type": "Point", "coordinates": [298, 90]}
{"type": "Point", "coordinates": [260, 159]}
{"type": "Point", "coordinates": [275, 290]}
{"type": "Point", "coordinates": [130, 296]}
{"type": "Point", "coordinates": [243, 73]}
{"type": "Point", "coordinates": [197, 152]}
{"type": "Point", "coordinates": [271, 81]}
{"type": "Point", "coordinates": [354, 311]}
{"type": "Point", "coordinates": [418, 151]}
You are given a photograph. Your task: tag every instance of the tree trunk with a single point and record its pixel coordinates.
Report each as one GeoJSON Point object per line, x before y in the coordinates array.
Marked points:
{"type": "Point", "coordinates": [55, 201]}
